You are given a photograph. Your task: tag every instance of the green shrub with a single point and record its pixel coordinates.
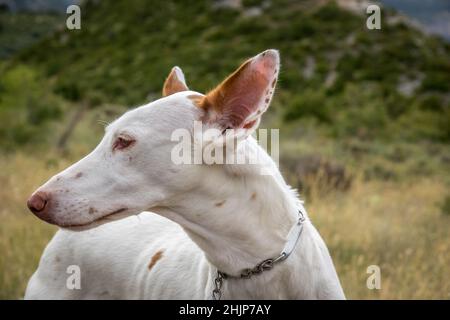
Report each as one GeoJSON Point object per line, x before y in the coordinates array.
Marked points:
{"type": "Point", "coordinates": [126, 48]}
{"type": "Point", "coordinates": [437, 81]}
{"type": "Point", "coordinates": [309, 103]}
{"type": "Point", "coordinates": [26, 106]}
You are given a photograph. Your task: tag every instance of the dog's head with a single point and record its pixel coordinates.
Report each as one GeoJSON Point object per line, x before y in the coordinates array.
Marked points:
{"type": "Point", "coordinates": [133, 168]}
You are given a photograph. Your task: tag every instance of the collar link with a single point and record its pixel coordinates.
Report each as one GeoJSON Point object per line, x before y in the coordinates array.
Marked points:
{"type": "Point", "coordinates": [292, 239]}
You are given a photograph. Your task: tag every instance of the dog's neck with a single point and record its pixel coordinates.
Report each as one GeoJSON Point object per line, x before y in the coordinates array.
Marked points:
{"type": "Point", "coordinates": [238, 220]}
{"type": "Point", "coordinates": [242, 220]}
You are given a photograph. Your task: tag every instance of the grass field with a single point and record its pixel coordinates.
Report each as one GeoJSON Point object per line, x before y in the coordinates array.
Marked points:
{"type": "Point", "coordinates": [397, 225]}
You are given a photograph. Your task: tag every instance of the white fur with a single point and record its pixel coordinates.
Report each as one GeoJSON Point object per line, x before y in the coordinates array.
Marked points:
{"type": "Point", "coordinates": [228, 217]}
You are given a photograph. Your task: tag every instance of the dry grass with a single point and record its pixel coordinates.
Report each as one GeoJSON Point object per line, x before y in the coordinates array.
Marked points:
{"type": "Point", "coordinates": [396, 225]}
{"type": "Point", "coordinates": [22, 236]}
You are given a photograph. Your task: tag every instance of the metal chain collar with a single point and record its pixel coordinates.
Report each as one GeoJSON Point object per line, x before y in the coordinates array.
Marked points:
{"type": "Point", "coordinates": [265, 264]}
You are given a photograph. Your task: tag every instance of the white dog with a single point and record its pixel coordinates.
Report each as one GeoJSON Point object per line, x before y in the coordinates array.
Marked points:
{"type": "Point", "coordinates": [220, 230]}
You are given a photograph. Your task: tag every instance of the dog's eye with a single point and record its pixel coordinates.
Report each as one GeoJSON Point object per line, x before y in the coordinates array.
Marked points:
{"type": "Point", "coordinates": [122, 143]}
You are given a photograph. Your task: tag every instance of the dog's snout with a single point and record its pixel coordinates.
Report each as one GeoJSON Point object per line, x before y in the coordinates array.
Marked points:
{"type": "Point", "coordinates": [39, 203]}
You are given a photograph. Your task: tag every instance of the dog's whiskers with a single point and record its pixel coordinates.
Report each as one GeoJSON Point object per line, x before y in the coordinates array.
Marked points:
{"type": "Point", "coordinates": [103, 122]}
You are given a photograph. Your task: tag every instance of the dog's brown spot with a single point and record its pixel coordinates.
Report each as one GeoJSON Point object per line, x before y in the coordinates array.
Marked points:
{"type": "Point", "coordinates": [267, 100]}
{"type": "Point", "coordinates": [225, 98]}
{"type": "Point", "coordinates": [173, 84]}
{"type": "Point", "coordinates": [156, 257]}
{"type": "Point", "coordinates": [57, 259]}
{"type": "Point", "coordinates": [253, 196]}
{"type": "Point", "coordinates": [249, 124]}
{"type": "Point", "coordinates": [92, 210]}
{"type": "Point", "coordinates": [196, 99]}
{"type": "Point", "coordinates": [59, 178]}
{"type": "Point", "coordinates": [78, 175]}
{"type": "Point", "coordinates": [219, 204]}
{"type": "Point", "coordinates": [216, 98]}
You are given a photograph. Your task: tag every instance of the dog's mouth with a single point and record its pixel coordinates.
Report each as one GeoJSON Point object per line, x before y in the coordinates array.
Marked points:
{"type": "Point", "coordinates": [112, 216]}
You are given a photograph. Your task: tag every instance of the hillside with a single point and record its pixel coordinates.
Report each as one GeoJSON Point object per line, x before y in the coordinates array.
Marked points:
{"type": "Point", "coordinates": [376, 84]}
{"type": "Point", "coordinates": [21, 30]}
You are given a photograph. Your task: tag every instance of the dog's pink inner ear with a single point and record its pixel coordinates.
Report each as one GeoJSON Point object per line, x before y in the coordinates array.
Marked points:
{"type": "Point", "coordinates": [240, 99]}
{"type": "Point", "coordinates": [175, 82]}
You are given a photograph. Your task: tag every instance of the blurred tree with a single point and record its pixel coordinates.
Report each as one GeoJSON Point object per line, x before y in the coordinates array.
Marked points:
{"type": "Point", "coordinates": [26, 106]}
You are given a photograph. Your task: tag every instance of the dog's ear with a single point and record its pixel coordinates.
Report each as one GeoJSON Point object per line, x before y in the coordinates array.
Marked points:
{"type": "Point", "coordinates": [240, 100]}
{"type": "Point", "coordinates": [175, 82]}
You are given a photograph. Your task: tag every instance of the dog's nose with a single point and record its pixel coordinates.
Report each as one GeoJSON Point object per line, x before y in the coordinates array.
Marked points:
{"type": "Point", "coordinates": [38, 203]}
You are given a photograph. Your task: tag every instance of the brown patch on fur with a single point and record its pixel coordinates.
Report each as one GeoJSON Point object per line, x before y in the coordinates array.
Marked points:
{"type": "Point", "coordinates": [267, 100]}
{"type": "Point", "coordinates": [229, 95]}
{"type": "Point", "coordinates": [216, 98]}
{"type": "Point", "coordinates": [196, 99]}
{"type": "Point", "coordinates": [250, 124]}
{"type": "Point", "coordinates": [274, 82]}
{"type": "Point", "coordinates": [78, 175]}
{"type": "Point", "coordinates": [57, 259]}
{"type": "Point", "coordinates": [219, 204]}
{"type": "Point", "coordinates": [156, 257]}
{"type": "Point", "coordinates": [92, 210]}
{"type": "Point", "coordinates": [253, 196]}
{"type": "Point", "coordinates": [173, 84]}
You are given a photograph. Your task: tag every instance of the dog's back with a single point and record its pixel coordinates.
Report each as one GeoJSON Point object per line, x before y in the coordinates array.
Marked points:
{"type": "Point", "coordinates": [127, 259]}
